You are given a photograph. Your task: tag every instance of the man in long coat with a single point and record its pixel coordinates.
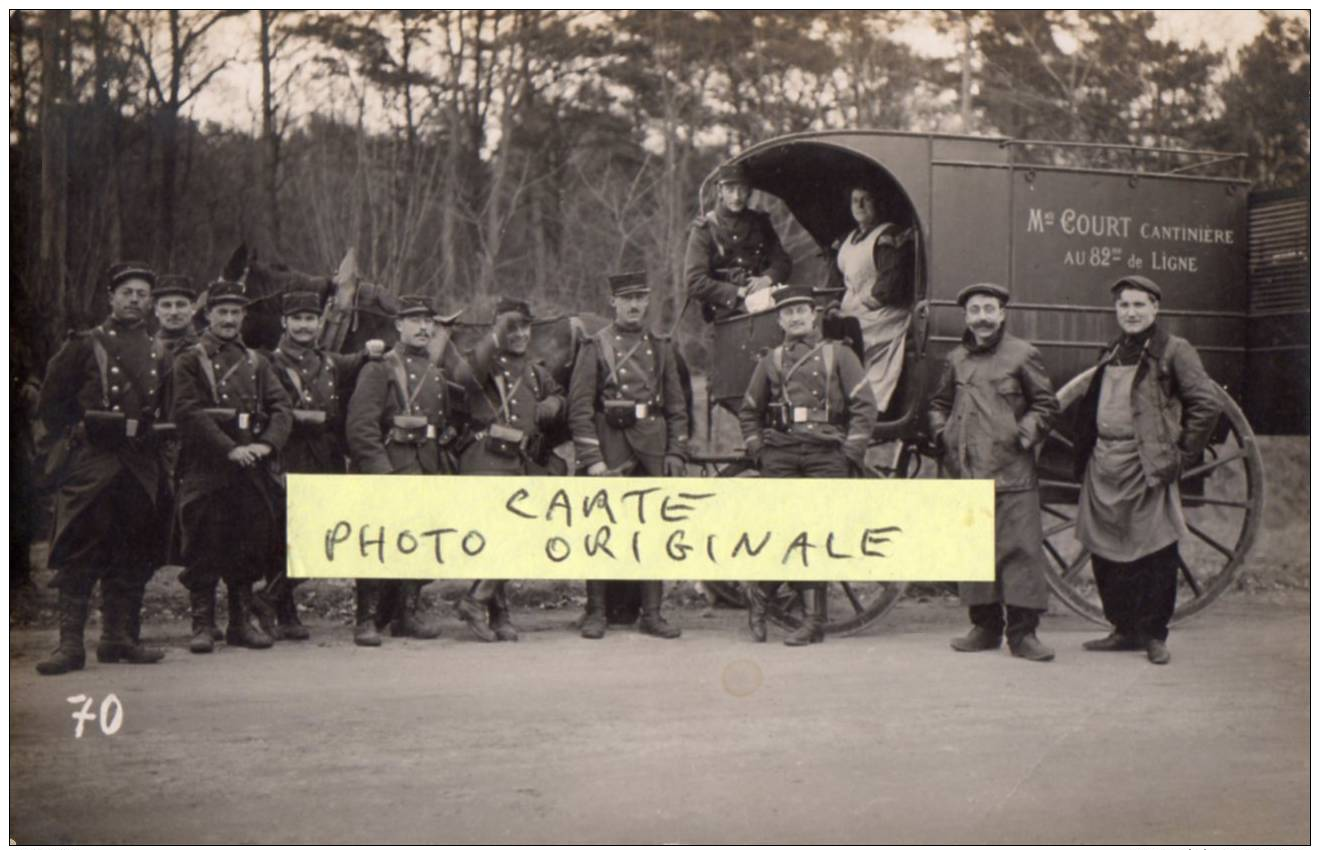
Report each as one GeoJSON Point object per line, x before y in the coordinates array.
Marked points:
{"type": "Point", "coordinates": [511, 402]}
{"type": "Point", "coordinates": [399, 424]}
{"type": "Point", "coordinates": [103, 394]}
{"type": "Point", "coordinates": [316, 382]}
{"type": "Point", "coordinates": [628, 416]}
{"type": "Point", "coordinates": [234, 418]}
{"type": "Point", "coordinates": [1144, 421]}
{"type": "Point", "coordinates": [993, 406]}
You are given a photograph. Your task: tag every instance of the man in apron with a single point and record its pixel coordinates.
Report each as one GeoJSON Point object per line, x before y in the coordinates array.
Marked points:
{"type": "Point", "coordinates": [1144, 420]}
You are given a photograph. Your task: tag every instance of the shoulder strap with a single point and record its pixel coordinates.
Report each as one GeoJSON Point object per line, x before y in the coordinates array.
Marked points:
{"type": "Point", "coordinates": [661, 346]}
{"type": "Point", "coordinates": [829, 374]}
{"type": "Point", "coordinates": [607, 351]}
{"type": "Point", "coordinates": [712, 227]}
{"type": "Point", "coordinates": [208, 369]}
{"type": "Point", "coordinates": [400, 376]}
{"type": "Point", "coordinates": [102, 366]}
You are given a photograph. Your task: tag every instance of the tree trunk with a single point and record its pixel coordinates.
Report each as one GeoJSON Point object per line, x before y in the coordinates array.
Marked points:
{"type": "Point", "coordinates": [269, 133]}
{"type": "Point", "coordinates": [54, 171]}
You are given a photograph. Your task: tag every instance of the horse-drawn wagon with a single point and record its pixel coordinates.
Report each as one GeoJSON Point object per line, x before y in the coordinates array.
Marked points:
{"type": "Point", "coordinates": [1056, 236]}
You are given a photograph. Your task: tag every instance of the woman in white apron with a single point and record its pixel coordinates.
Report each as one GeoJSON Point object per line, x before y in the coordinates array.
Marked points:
{"type": "Point", "coordinates": [875, 260]}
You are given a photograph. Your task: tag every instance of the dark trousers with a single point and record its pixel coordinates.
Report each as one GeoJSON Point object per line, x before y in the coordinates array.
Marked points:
{"type": "Point", "coordinates": [801, 460]}
{"type": "Point", "coordinates": [1139, 596]}
{"type": "Point", "coordinates": [1019, 623]}
{"type": "Point", "coordinates": [114, 540]}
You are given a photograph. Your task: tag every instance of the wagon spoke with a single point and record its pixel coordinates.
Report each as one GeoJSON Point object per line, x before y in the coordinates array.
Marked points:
{"type": "Point", "coordinates": [1075, 568]}
{"type": "Point", "coordinates": [1062, 439]}
{"type": "Point", "coordinates": [1219, 547]}
{"type": "Point", "coordinates": [1214, 464]}
{"type": "Point", "coordinates": [1063, 526]}
{"type": "Point", "coordinates": [1191, 579]}
{"type": "Point", "coordinates": [1198, 501]}
{"type": "Point", "coordinates": [1055, 512]}
{"type": "Point", "coordinates": [857, 605]}
{"type": "Point", "coordinates": [1063, 485]}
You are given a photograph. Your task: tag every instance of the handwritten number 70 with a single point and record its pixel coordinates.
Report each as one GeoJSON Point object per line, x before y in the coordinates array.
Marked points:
{"type": "Point", "coordinates": [111, 716]}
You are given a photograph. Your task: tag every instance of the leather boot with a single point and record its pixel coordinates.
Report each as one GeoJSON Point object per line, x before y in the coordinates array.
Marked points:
{"type": "Point", "coordinates": [70, 655]}
{"type": "Point", "coordinates": [474, 608]}
{"type": "Point", "coordinates": [652, 622]}
{"type": "Point", "coordinates": [365, 634]}
{"type": "Point", "coordinates": [406, 620]}
{"type": "Point", "coordinates": [202, 603]}
{"type": "Point", "coordinates": [117, 642]}
{"type": "Point", "coordinates": [1114, 642]}
{"type": "Point", "coordinates": [263, 608]}
{"type": "Point", "coordinates": [241, 631]}
{"type": "Point", "coordinates": [288, 626]}
{"type": "Point", "coordinates": [499, 615]}
{"type": "Point", "coordinates": [814, 597]}
{"type": "Point", "coordinates": [593, 622]}
{"type": "Point", "coordinates": [756, 609]}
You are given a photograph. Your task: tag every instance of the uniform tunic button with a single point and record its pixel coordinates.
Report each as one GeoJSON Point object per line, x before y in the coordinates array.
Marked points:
{"type": "Point", "coordinates": [114, 388]}
{"type": "Point", "coordinates": [114, 407]}
{"type": "Point", "coordinates": [514, 417]}
{"type": "Point", "coordinates": [114, 370]}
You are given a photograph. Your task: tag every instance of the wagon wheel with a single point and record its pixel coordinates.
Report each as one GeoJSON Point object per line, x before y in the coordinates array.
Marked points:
{"type": "Point", "coordinates": [1222, 499]}
{"type": "Point", "coordinates": [853, 606]}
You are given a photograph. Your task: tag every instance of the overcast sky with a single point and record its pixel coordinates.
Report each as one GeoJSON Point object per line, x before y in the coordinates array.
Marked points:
{"type": "Point", "coordinates": [232, 97]}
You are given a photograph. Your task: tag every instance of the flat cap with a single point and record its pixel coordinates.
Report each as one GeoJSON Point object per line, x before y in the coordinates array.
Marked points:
{"type": "Point", "coordinates": [628, 283]}
{"type": "Point", "coordinates": [129, 270]}
{"type": "Point", "coordinates": [734, 172]}
{"type": "Point", "coordinates": [300, 302]}
{"type": "Point", "coordinates": [994, 290]}
{"type": "Point", "coordinates": [226, 292]}
{"type": "Point", "coordinates": [1136, 281]}
{"type": "Point", "coordinates": [175, 284]}
{"type": "Point", "coordinates": [786, 295]}
{"type": "Point", "coordinates": [513, 305]}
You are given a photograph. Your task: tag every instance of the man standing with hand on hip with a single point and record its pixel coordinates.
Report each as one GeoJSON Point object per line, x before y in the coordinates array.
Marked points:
{"type": "Point", "coordinates": [993, 406]}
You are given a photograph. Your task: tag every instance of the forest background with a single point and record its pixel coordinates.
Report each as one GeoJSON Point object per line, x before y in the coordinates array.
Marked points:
{"type": "Point", "coordinates": [468, 153]}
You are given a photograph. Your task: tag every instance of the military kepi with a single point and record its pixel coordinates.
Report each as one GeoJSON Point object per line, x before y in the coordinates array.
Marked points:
{"type": "Point", "coordinates": [226, 292]}
{"type": "Point", "coordinates": [175, 284]}
{"type": "Point", "coordinates": [994, 290]}
{"type": "Point", "coordinates": [414, 305]}
{"type": "Point", "coordinates": [513, 305]}
{"type": "Point", "coordinates": [129, 270]}
{"type": "Point", "coordinates": [786, 295]}
{"type": "Point", "coordinates": [629, 283]}
{"type": "Point", "coordinates": [1136, 281]}
{"type": "Point", "coordinates": [734, 172]}
{"type": "Point", "coordinates": [300, 302]}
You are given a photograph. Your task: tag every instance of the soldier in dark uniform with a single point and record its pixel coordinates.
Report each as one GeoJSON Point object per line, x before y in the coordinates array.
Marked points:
{"type": "Point", "coordinates": [234, 418]}
{"type": "Point", "coordinates": [993, 406]}
{"type": "Point", "coordinates": [398, 424]}
{"type": "Point", "coordinates": [103, 394]}
{"type": "Point", "coordinates": [808, 413]}
{"type": "Point", "coordinates": [176, 303]}
{"type": "Point", "coordinates": [628, 417]}
{"type": "Point", "coordinates": [733, 251]}
{"type": "Point", "coordinates": [314, 380]}
{"type": "Point", "coordinates": [511, 403]}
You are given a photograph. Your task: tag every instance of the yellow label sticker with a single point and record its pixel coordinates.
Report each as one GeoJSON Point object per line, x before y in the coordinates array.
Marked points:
{"type": "Point", "coordinates": [730, 529]}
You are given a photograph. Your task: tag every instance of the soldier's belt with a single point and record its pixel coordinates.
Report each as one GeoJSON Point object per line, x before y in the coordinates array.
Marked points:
{"type": "Point", "coordinates": [625, 413]}
{"type": "Point", "coordinates": [411, 430]}
{"type": "Point", "coordinates": [785, 416]}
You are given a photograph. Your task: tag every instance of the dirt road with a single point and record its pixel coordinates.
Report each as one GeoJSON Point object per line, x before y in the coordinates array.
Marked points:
{"type": "Point", "coordinates": [888, 737]}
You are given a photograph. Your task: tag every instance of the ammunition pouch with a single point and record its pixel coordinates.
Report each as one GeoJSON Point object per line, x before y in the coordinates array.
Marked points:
{"type": "Point", "coordinates": [309, 423]}
{"type": "Point", "coordinates": [623, 414]}
{"type": "Point", "coordinates": [411, 431]}
{"type": "Point", "coordinates": [504, 441]}
{"type": "Point", "coordinates": [240, 426]}
{"type": "Point", "coordinates": [110, 430]}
